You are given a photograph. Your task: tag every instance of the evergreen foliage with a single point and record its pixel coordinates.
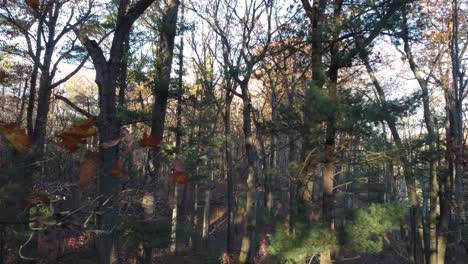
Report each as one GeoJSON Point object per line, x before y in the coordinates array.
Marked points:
{"type": "Point", "coordinates": [365, 233]}
{"type": "Point", "coordinates": [307, 240]}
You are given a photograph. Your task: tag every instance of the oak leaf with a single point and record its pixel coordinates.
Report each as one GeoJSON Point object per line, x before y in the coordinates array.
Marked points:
{"type": "Point", "coordinates": [178, 171]}
{"type": "Point", "coordinates": [116, 141]}
{"type": "Point", "coordinates": [16, 136]}
{"type": "Point", "coordinates": [117, 168]}
{"type": "Point", "coordinates": [149, 141]}
{"type": "Point", "coordinates": [89, 167]}
{"type": "Point", "coordinates": [77, 133]}
{"type": "Point", "coordinates": [34, 4]}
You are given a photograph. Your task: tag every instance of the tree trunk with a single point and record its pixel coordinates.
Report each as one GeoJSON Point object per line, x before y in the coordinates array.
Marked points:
{"type": "Point", "coordinates": [19, 120]}
{"type": "Point", "coordinates": [229, 187]}
{"type": "Point", "coordinates": [33, 83]}
{"type": "Point", "coordinates": [173, 247]}
{"type": "Point", "coordinates": [247, 246]}
{"type": "Point", "coordinates": [458, 94]}
{"type": "Point", "coordinates": [206, 211]}
{"type": "Point", "coordinates": [194, 237]}
{"type": "Point", "coordinates": [108, 186]}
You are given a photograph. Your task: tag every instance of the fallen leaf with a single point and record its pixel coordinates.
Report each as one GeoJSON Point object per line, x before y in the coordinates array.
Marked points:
{"type": "Point", "coordinates": [16, 136]}
{"type": "Point", "coordinates": [149, 141]}
{"type": "Point", "coordinates": [117, 169]}
{"type": "Point", "coordinates": [89, 167]}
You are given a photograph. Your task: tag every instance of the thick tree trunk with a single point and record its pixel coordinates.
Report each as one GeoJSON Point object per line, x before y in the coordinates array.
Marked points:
{"type": "Point", "coordinates": [108, 73]}
{"type": "Point", "coordinates": [108, 186]}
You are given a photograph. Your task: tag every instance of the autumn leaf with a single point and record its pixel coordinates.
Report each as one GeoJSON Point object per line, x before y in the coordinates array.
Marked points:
{"type": "Point", "coordinates": [34, 4]}
{"type": "Point", "coordinates": [181, 178]}
{"type": "Point", "coordinates": [116, 141]}
{"type": "Point", "coordinates": [3, 75]}
{"type": "Point", "coordinates": [178, 171]}
{"type": "Point", "coordinates": [77, 133]}
{"type": "Point", "coordinates": [117, 169]}
{"type": "Point", "coordinates": [36, 200]}
{"type": "Point", "coordinates": [111, 143]}
{"type": "Point", "coordinates": [149, 141]}
{"type": "Point", "coordinates": [16, 136]}
{"type": "Point", "coordinates": [89, 167]}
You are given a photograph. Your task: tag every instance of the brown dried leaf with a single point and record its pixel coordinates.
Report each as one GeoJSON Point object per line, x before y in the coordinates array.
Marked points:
{"type": "Point", "coordinates": [34, 4]}
{"type": "Point", "coordinates": [89, 167]}
{"type": "Point", "coordinates": [117, 169]}
{"type": "Point", "coordinates": [149, 141]}
{"type": "Point", "coordinates": [77, 133]}
{"type": "Point", "coordinates": [181, 178]}
{"type": "Point", "coordinates": [179, 172]}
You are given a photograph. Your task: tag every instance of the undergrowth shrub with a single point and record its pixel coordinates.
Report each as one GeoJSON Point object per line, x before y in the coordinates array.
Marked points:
{"type": "Point", "coordinates": [366, 231]}
{"type": "Point", "coordinates": [306, 240]}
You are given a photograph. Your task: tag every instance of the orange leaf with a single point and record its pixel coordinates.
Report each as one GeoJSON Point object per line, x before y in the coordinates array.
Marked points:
{"type": "Point", "coordinates": [149, 141]}
{"type": "Point", "coordinates": [71, 143]}
{"type": "Point", "coordinates": [77, 133]}
{"type": "Point", "coordinates": [117, 169]}
{"type": "Point", "coordinates": [88, 168]}
{"type": "Point", "coordinates": [16, 136]}
{"type": "Point", "coordinates": [181, 178]}
{"type": "Point", "coordinates": [179, 172]}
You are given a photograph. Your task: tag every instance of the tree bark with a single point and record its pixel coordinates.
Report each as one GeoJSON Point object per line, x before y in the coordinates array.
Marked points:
{"type": "Point", "coordinates": [229, 174]}
{"type": "Point", "coordinates": [107, 79]}
{"type": "Point", "coordinates": [246, 254]}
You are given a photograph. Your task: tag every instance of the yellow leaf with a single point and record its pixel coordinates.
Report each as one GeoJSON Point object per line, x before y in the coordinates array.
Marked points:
{"type": "Point", "coordinates": [16, 136]}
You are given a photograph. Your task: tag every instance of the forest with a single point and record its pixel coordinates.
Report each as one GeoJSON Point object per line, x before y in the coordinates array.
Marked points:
{"type": "Point", "coordinates": [233, 131]}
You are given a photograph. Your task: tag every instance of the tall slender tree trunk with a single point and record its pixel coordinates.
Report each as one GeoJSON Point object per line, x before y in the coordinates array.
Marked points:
{"type": "Point", "coordinates": [248, 239]}
{"type": "Point", "coordinates": [23, 102]}
{"type": "Point", "coordinates": [173, 247]}
{"type": "Point", "coordinates": [458, 88]}
{"type": "Point", "coordinates": [229, 176]}
{"type": "Point", "coordinates": [206, 210]}
{"type": "Point", "coordinates": [34, 74]}
{"type": "Point", "coordinates": [194, 237]}
{"type": "Point", "coordinates": [329, 170]}
{"type": "Point", "coordinates": [407, 171]}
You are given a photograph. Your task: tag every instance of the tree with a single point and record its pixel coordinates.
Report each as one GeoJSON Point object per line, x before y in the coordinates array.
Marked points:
{"type": "Point", "coordinates": [107, 75]}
